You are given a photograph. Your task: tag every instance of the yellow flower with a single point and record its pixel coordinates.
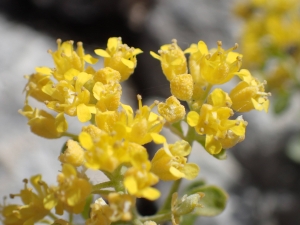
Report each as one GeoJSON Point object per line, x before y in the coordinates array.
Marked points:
{"type": "Point", "coordinates": [121, 206]}
{"type": "Point", "coordinates": [33, 209]}
{"type": "Point", "coordinates": [139, 128]}
{"type": "Point", "coordinates": [170, 163]}
{"type": "Point", "coordinates": [44, 124]}
{"type": "Point", "coordinates": [103, 152]}
{"type": "Point", "coordinates": [34, 87]}
{"type": "Point", "coordinates": [106, 75]}
{"type": "Point", "coordinates": [100, 213]}
{"type": "Point", "coordinates": [172, 58]}
{"type": "Point", "coordinates": [213, 121]}
{"type": "Point", "coordinates": [138, 180]}
{"type": "Point", "coordinates": [249, 94]}
{"type": "Point", "coordinates": [119, 57]}
{"type": "Point", "coordinates": [65, 58]}
{"type": "Point", "coordinates": [71, 97]}
{"type": "Point", "coordinates": [172, 110]}
{"type": "Point", "coordinates": [73, 154]}
{"type": "Point", "coordinates": [108, 95]}
{"type": "Point", "coordinates": [217, 67]}
{"type": "Point", "coordinates": [71, 192]}
{"type": "Point", "coordinates": [182, 87]}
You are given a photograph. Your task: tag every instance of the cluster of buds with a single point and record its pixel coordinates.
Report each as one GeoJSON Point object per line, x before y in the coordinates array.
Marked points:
{"type": "Point", "coordinates": [115, 138]}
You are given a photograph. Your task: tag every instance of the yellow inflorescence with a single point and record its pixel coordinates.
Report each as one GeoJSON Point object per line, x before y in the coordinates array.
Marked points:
{"type": "Point", "coordinates": [114, 140]}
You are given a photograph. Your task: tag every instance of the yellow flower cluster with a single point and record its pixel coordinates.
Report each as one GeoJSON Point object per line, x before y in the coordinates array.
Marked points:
{"type": "Point", "coordinates": [115, 138]}
{"type": "Point", "coordinates": [270, 40]}
{"type": "Point", "coordinates": [210, 113]}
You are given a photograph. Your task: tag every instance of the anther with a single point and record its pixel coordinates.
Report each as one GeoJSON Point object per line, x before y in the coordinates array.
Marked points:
{"type": "Point", "coordinates": [139, 97]}
{"type": "Point", "coordinates": [25, 180]}
{"type": "Point", "coordinates": [79, 44]}
{"type": "Point", "coordinates": [219, 43]}
{"type": "Point", "coordinates": [46, 102]}
{"type": "Point", "coordinates": [12, 195]}
{"type": "Point", "coordinates": [58, 41]}
{"type": "Point", "coordinates": [71, 42]}
{"type": "Point", "coordinates": [236, 45]}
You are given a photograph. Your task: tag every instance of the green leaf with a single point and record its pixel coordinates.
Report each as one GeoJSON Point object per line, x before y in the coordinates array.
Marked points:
{"type": "Point", "coordinates": [282, 101]}
{"type": "Point", "coordinates": [222, 155]}
{"type": "Point", "coordinates": [193, 185]}
{"type": "Point", "coordinates": [86, 210]}
{"type": "Point", "coordinates": [189, 219]}
{"type": "Point", "coordinates": [293, 148]}
{"type": "Point", "coordinates": [214, 201]}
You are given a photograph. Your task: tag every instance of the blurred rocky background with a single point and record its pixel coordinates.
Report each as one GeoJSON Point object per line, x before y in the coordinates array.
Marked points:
{"type": "Point", "coordinates": [262, 182]}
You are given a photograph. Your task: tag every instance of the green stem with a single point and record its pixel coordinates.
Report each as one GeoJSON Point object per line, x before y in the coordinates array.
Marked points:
{"type": "Point", "coordinates": [70, 218]}
{"type": "Point", "coordinates": [167, 204]}
{"type": "Point", "coordinates": [103, 192]}
{"type": "Point", "coordinates": [52, 216]}
{"type": "Point", "coordinates": [106, 184]}
{"type": "Point", "coordinates": [73, 136]}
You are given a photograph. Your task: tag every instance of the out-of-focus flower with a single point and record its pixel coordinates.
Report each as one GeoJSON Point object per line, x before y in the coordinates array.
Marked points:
{"type": "Point", "coordinates": [121, 206]}
{"type": "Point", "coordinates": [33, 209]}
{"type": "Point", "coordinates": [100, 213]}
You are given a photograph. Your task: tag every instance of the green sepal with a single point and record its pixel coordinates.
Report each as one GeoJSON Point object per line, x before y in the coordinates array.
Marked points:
{"type": "Point", "coordinates": [177, 126]}
{"type": "Point", "coordinates": [222, 155]}
{"type": "Point", "coordinates": [64, 148]}
{"type": "Point", "coordinates": [87, 207]}
{"type": "Point", "coordinates": [214, 201]}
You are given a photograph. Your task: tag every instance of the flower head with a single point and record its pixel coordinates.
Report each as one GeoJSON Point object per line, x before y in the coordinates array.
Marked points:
{"type": "Point", "coordinates": [171, 110]}
{"type": "Point", "coordinates": [33, 209]}
{"type": "Point", "coordinates": [169, 163]}
{"type": "Point", "coordinates": [119, 56]}
{"type": "Point", "coordinates": [44, 124]}
{"type": "Point", "coordinates": [172, 58]}
{"type": "Point", "coordinates": [249, 94]}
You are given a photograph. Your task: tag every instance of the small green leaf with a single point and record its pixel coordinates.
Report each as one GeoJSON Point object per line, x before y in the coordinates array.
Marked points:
{"type": "Point", "coordinates": [293, 148]}
{"type": "Point", "coordinates": [282, 101]}
{"type": "Point", "coordinates": [86, 210]}
{"type": "Point", "coordinates": [189, 219]}
{"type": "Point", "coordinates": [214, 201]}
{"type": "Point", "coordinates": [193, 185]}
